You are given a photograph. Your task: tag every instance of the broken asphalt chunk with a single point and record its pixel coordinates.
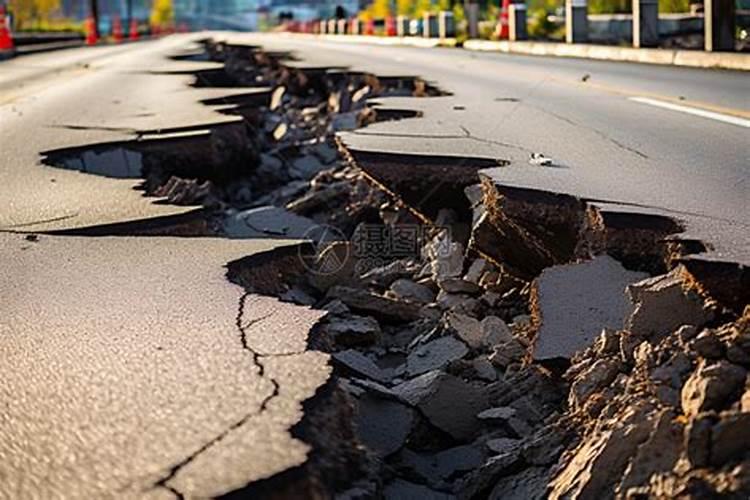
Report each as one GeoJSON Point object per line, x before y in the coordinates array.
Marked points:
{"type": "Point", "coordinates": [448, 402]}
{"type": "Point", "coordinates": [572, 303]}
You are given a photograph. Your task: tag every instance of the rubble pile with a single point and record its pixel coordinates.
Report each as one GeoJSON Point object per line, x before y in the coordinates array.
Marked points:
{"type": "Point", "coordinates": [289, 157]}
{"type": "Point", "coordinates": [431, 349]}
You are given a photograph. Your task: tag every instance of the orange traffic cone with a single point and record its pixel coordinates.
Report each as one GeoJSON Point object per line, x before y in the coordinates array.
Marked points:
{"type": "Point", "coordinates": [6, 40]}
{"type": "Point", "coordinates": [390, 26]}
{"type": "Point", "coordinates": [134, 35]}
{"type": "Point", "coordinates": [117, 29]}
{"type": "Point", "coordinates": [503, 28]}
{"type": "Point", "coordinates": [370, 27]}
{"type": "Point", "coordinates": [91, 36]}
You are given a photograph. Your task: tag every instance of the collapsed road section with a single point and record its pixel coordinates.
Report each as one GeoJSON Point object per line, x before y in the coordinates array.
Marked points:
{"type": "Point", "coordinates": [486, 341]}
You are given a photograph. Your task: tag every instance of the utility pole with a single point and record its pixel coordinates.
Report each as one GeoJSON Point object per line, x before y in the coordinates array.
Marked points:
{"type": "Point", "coordinates": [95, 15]}
{"type": "Point", "coordinates": [129, 10]}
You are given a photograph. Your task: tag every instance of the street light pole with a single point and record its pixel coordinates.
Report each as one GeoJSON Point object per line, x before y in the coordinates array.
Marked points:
{"type": "Point", "coordinates": [95, 15]}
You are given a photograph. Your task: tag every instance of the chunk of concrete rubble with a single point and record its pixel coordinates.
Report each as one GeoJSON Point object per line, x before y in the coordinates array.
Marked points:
{"type": "Point", "coordinates": [351, 330]}
{"type": "Point", "coordinates": [456, 302]}
{"type": "Point", "coordinates": [497, 414]}
{"type": "Point", "coordinates": [729, 438]}
{"type": "Point", "coordinates": [263, 222]}
{"type": "Point", "coordinates": [449, 403]}
{"type": "Point", "coordinates": [384, 276]}
{"type": "Point", "coordinates": [476, 270]}
{"type": "Point", "coordinates": [710, 385]}
{"type": "Point", "coordinates": [383, 425]}
{"type": "Point", "coordinates": [483, 478]}
{"type": "Point", "coordinates": [502, 445]}
{"type": "Point", "coordinates": [483, 369]}
{"type": "Point", "coordinates": [404, 490]}
{"type": "Point", "coordinates": [459, 285]}
{"type": "Point", "coordinates": [360, 364]}
{"type": "Point", "coordinates": [435, 354]}
{"type": "Point", "coordinates": [377, 305]}
{"type": "Point", "coordinates": [572, 303]}
{"type": "Point", "coordinates": [276, 97]}
{"type": "Point", "coordinates": [305, 167]}
{"type": "Point", "coordinates": [505, 353]}
{"type": "Point", "coordinates": [596, 377]}
{"type": "Point", "coordinates": [405, 289]}
{"type": "Point", "coordinates": [530, 484]}
{"type": "Point", "coordinates": [325, 153]}
{"type": "Point", "coordinates": [659, 453]}
{"type": "Point", "coordinates": [601, 457]}
{"type": "Point", "coordinates": [439, 468]}
{"type": "Point", "coordinates": [479, 334]}
{"type": "Point", "coordinates": [662, 304]}
{"type": "Point", "coordinates": [446, 257]}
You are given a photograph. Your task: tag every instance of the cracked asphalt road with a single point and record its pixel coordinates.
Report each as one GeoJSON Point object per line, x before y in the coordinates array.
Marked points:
{"type": "Point", "coordinates": [131, 366]}
{"type": "Point", "coordinates": [619, 154]}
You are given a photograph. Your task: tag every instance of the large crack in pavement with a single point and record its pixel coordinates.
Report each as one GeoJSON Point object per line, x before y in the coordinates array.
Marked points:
{"type": "Point", "coordinates": [528, 343]}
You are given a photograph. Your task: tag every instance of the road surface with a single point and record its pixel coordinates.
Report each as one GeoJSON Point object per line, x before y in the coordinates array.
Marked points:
{"type": "Point", "coordinates": [603, 124]}
{"type": "Point", "coordinates": [129, 364]}
{"type": "Point", "coordinates": [123, 368]}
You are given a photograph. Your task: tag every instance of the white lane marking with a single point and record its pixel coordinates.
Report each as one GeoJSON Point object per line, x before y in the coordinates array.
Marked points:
{"type": "Point", "coordinates": [734, 120]}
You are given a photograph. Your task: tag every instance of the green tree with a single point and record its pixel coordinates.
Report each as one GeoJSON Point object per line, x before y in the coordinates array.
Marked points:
{"type": "Point", "coordinates": [162, 13]}
{"type": "Point", "coordinates": [29, 14]}
{"type": "Point", "coordinates": [404, 7]}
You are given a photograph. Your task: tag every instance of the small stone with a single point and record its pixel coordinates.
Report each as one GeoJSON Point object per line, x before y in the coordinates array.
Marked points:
{"type": "Point", "coordinates": [280, 131]}
{"type": "Point", "coordinates": [352, 330]}
{"type": "Point", "coordinates": [324, 152]}
{"type": "Point", "coordinates": [383, 425]}
{"type": "Point", "coordinates": [377, 305]}
{"type": "Point", "coordinates": [607, 343]}
{"type": "Point", "coordinates": [384, 276]}
{"type": "Point", "coordinates": [476, 270]}
{"type": "Point", "coordinates": [360, 364]}
{"type": "Point", "coordinates": [458, 285]}
{"type": "Point", "coordinates": [456, 302]}
{"type": "Point", "coordinates": [435, 354]}
{"type": "Point", "coordinates": [336, 307]}
{"type": "Point", "coordinates": [405, 289]}
{"type": "Point", "coordinates": [596, 377]}
{"type": "Point", "coordinates": [503, 445]}
{"type": "Point", "coordinates": [448, 402]}
{"type": "Point", "coordinates": [708, 345]}
{"type": "Point", "coordinates": [305, 167]}
{"type": "Point", "coordinates": [498, 414]}
{"type": "Point", "coordinates": [276, 97]}
{"type": "Point", "coordinates": [483, 369]}
{"type": "Point", "coordinates": [730, 438]}
{"type": "Point", "coordinates": [446, 256]}
{"type": "Point", "coordinates": [505, 353]}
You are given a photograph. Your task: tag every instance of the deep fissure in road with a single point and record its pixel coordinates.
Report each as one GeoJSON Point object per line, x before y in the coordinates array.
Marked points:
{"type": "Point", "coordinates": [488, 341]}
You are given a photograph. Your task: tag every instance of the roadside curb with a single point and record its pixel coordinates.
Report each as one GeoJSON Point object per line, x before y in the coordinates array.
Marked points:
{"type": "Point", "coordinates": [689, 58]}
{"type": "Point", "coordinates": [411, 41]}
{"type": "Point", "coordinates": [670, 57]}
